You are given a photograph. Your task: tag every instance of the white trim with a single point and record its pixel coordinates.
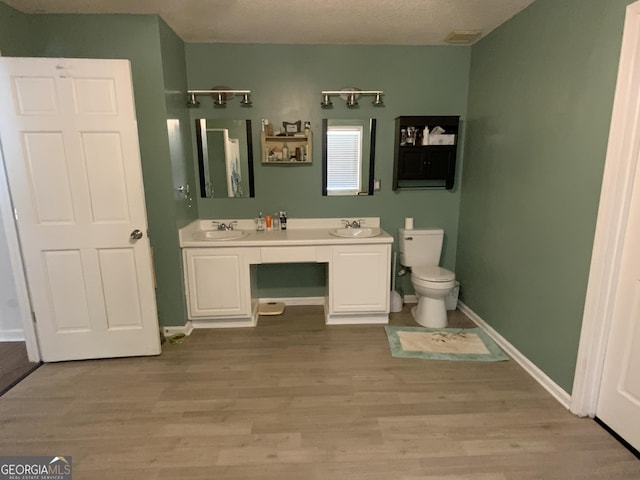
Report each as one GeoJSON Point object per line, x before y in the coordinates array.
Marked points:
{"type": "Point", "coordinates": [295, 300]}
{"type": "Point", "coordinates": [538, 375]}
{"type": "Point", "coordinates": [615, 198]}
{"type": "Point", "coordinates": [15, 254]}
{"type": "Point", "coordinates": [364, 319]}
{"type": "Point", "coordinates": [187, 328]}
{"type": "Point", "coordinates": [243, 322]}
{"type": "Point", "coordinates": [13, 335]}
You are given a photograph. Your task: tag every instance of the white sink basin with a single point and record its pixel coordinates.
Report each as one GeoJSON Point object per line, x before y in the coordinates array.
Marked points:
{"type": "Point", "coordinates": [219, 234]}
{"type": "Point", "coordinates": [355, 232]}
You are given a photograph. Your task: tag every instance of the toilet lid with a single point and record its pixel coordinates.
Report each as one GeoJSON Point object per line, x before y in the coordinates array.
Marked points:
{"type": "Point", "coordinates": [433, 273]}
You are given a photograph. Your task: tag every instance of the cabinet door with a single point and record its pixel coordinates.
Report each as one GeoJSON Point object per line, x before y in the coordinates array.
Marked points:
{"type": "Point", "coordinates": [360, 278]}
{"type": "Point", "coordinates": [427, 163]}
{"type": "Point", "coordinates": [217, 282]}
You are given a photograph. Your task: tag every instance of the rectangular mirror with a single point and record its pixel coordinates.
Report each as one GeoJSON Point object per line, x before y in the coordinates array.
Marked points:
{"type": "Point", "coordinates": [348, 156]}
{"type": "Point", "coordinates": [225, 158]}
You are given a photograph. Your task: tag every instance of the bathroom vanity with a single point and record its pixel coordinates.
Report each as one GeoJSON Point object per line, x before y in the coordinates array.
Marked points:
{"type": "Point", "coordinates": [220, 268]}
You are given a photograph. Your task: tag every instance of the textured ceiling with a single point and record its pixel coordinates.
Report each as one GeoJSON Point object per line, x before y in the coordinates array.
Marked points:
{"type": "Point", "coordinates": [390, 22]}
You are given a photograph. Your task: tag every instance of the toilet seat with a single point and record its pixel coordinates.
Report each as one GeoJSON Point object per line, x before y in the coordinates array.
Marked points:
{"type": "Point", "coordinates": [432, 273]}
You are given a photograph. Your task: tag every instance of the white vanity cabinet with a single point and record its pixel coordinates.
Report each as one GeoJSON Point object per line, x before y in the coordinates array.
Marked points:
{"type": "Point", "coordinates": [221, 274]}
{"type": "Point", "coordinates": [217, 282]}
{"type": "Point", "coordinates": [359, 283]}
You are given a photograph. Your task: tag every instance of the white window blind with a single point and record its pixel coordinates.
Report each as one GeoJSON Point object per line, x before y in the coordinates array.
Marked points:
{"type": "Point", "coordinates": [344, 149]}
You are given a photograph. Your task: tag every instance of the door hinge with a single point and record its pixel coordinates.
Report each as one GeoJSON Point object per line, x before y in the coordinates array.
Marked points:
{"type": "Point", "coordinates": [15, 214]}
{"type": "Point", "coordinates": [33, 316]}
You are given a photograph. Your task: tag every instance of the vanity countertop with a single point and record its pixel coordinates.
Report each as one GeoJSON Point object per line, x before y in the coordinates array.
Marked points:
{"type": "Point", "coordinates": [299, 232]}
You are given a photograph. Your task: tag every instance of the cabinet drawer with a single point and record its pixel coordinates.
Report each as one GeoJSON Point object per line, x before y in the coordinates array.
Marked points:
{"type": "Point", "coordinates": [288, 254]}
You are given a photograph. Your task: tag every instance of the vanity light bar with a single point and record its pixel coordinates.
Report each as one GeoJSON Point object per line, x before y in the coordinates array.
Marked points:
{"type": "Point", "coordinates": [220, 96]}
{"type": "Point", "coordinates": [350, 96]}
{"type": "Point", "coordinates": [356, 92]}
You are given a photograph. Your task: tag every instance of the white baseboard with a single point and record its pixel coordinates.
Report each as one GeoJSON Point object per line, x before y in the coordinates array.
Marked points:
{"type": "Point", "coordinates": [13, 335]}
{"type": "Point", "coordinates": [295, 300]}
{"type": "Point", "coordinates": [188, 327]}
{"type": "Point", "coordinates": [243, 322]}
{"type": "Point", "coordinates": [410, 299]}
{"type": "Point", "coordinates": [538, 375]}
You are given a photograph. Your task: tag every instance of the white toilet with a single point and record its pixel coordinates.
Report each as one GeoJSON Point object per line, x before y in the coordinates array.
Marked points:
{"type": "Point", "coordinates": [420, 250]}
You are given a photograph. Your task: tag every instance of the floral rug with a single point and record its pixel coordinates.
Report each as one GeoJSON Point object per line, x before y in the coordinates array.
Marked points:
{"type": "Point", "coordinates": [458, 344]}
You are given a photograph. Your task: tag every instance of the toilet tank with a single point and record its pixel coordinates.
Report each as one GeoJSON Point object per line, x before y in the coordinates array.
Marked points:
{"type": "Point", "coordinates": [420, 247]}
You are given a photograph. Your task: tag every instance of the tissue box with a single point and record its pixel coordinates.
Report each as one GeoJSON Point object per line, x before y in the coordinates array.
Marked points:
{"type": "Point", "coordinates": [438, 139]}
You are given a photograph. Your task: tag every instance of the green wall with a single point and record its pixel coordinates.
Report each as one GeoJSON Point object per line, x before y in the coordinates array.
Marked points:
{"type": "Point", "coordinates": [286, 81]}
{"type": "Point", "coordinates": [178, 123]}
{"type": "Point", "coordinates": [137, 38]}
{"type": "Point", "coordinates": [14, 38]}
{"type": "Point", "coordinates": [540, 101]}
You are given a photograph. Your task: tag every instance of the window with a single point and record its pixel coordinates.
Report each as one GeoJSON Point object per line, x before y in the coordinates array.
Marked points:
{"type": "Point", "coordinates": [344, 149]}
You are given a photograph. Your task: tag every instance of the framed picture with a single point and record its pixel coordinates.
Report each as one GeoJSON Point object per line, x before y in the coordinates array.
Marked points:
{"type": "Point", "coordinates": [291, 128]}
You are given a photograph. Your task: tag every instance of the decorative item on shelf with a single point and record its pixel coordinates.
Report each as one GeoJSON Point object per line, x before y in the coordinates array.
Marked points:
{"type": "Point", "coordinates": [220, 96]}
{"type": "Point", "coordinates": [351, 95]}
{"type": "Point", "coordinates": [291, 128]}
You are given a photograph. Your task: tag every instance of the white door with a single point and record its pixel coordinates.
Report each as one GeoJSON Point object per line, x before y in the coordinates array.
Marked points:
{"type": "Point", "coordinates": [619, 399]}
{"type": "Point", "coordinates": [69, 137]}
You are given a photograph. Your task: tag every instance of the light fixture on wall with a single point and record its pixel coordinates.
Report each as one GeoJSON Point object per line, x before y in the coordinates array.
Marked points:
{"type": "Point", "coordinates": [351, 95]}
{"type": "Point", "coordinates": [220, 96]}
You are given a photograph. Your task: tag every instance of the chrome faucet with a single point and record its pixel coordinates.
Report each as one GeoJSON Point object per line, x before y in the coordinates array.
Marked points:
{"type": "Point", "coordinates": [353, 223]}
{"type": "Point", "coordinates": [225, 226]}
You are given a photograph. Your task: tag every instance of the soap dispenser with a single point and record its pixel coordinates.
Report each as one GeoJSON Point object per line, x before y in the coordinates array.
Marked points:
{"type": "Point", "coordinates": [285, 153]}
{"type": "Point", "coordinates": [260, 223]}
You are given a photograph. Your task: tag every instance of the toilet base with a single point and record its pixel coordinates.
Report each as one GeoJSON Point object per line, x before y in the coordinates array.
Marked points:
{"type": "Point", "coordinates": [430, 312]}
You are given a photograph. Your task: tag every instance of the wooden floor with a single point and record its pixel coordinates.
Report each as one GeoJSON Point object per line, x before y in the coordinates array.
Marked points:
{"type": "Point", "coordinates": [294, 399]}
{"type": "Point", "coordinates": [14, 364]}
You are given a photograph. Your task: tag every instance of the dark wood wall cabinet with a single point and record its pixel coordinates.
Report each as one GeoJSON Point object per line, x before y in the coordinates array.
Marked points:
{"type": "Point", "coordinates": [425, 152]}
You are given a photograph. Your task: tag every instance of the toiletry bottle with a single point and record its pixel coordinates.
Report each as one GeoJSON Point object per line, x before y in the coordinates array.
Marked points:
{"type": "Point", "coordinates": [283, 220]}
{"type": "Point", "coordinates": [403, 136]}
{"type": "Point", "coordinates": [285, 153]}
{"type": "Point", "coordinates": [275, 219]}
{"type": "Point", "coordinates": [260, 223]}
{"type": "Point", "coordinates": [269, 221]}
{"type": "Point", "coordinates": [307, 129]}
{"type": "Point", "coordinates": [425, 136]}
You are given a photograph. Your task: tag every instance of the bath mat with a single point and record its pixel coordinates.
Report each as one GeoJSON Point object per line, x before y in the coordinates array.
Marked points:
{"type": "Point", "coordinates": [458, 344]}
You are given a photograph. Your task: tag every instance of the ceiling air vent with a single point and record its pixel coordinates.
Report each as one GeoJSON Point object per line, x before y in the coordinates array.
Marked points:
{"type": "Point", "coordinates": [463, 37]}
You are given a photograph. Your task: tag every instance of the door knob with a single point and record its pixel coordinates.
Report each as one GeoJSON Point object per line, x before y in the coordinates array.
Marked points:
{"type": "Point", "coordinates": [136, 235]}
